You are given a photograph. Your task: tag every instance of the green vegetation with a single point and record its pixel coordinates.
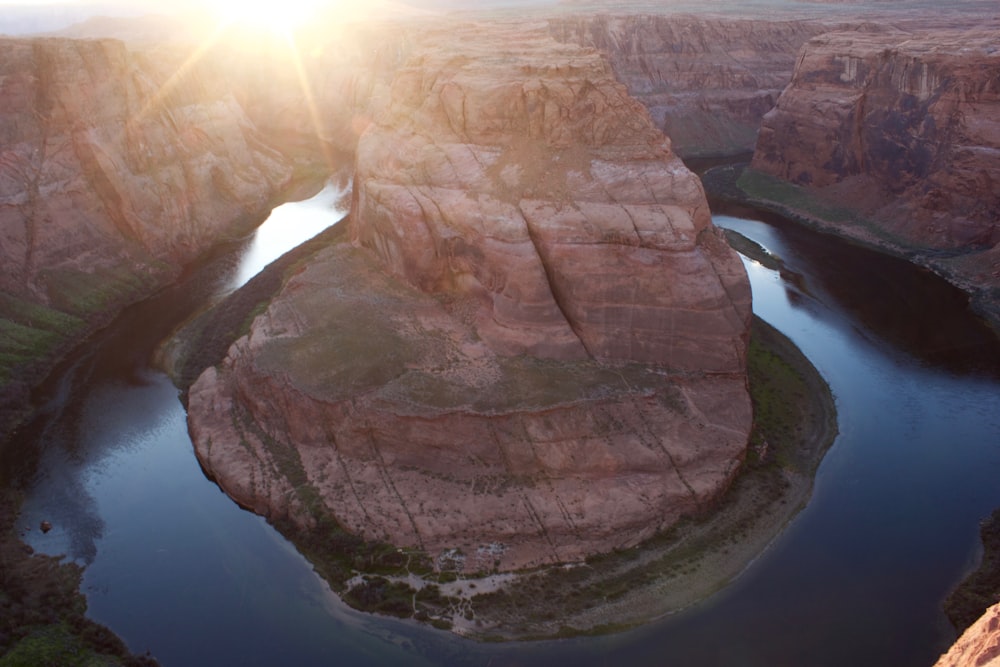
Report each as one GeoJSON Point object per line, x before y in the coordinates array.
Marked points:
{"type": "Point", "coordinates": [42, 619]}
{"type": "Point", "coordinates": [30, 332]}
{"type": "Point", "coordinates": [794, 424]}
{"type": "Point", "coordinates": [981, 589]}
{"type": "Point", "coordinates": [741, 185]}
{"type": "Point", "coordinates": [96, 292]}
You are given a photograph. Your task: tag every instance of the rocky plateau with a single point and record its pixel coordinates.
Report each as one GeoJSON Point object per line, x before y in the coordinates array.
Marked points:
{"type": "Point", "coordinates": [530, 347]}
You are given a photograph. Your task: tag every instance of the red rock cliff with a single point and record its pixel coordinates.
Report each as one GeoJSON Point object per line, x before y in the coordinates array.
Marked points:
{"type": "Point", "coordinates": [902, 127]}
{"type": "Point", "coordinates": [109, 182]}
{"type": "Point", "coordinates": [707, 81]}
{"type": "Point", "coordinates": [534, 350]}
{"type": "Point", "coordinates": [979, 645]}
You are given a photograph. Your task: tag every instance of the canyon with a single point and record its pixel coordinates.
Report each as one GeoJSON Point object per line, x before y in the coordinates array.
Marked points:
{"type": "Point", "coordinates": [528, 344]}
{"type": "Point", "coordinates": [899, 131]}
{"type": "Point", "coordinates": [531, 348]}
{"type": "Point", "coordinates": [110, 183]}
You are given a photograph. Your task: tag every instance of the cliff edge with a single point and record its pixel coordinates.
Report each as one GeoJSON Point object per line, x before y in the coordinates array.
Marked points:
{"type": "Point", "coordinates": [900, 129]}
{"type": "Point", "coordinates": [111, 180]}
{"type": "Point", "coordinates": [529, 345]}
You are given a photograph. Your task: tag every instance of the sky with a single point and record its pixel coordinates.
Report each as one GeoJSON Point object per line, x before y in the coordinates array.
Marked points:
{"type": "Point", "coordinates": [21, 17]}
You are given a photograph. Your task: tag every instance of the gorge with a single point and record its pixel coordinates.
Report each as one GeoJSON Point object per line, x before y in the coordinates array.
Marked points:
{"type": "Point", "coordinates": [439, 148]}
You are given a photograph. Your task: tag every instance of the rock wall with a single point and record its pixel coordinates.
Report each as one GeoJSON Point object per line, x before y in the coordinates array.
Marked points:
{"type": "Point", "coordinates": [109, 182]}
{"type": "Point", "coordinates": [979, 645]}
{"type": "Point", "coordinates": [901, 130]}
{"type": "Point", "coordinates": [529, 348]}
{"type": "Point", "coordinates": [543, 193]}
{"type": "Point", "coordinates": [913, 117]}
{"type": "Point", "coordinates": [707, 81]}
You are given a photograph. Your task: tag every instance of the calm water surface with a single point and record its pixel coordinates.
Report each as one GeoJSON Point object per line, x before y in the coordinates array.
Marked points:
{"type": "Point", "coordinates": [176, 568]}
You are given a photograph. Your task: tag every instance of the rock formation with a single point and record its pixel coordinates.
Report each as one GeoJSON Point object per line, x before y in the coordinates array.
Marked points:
{"type": "Point", "coordinates": [707, 81]}
{"type": "Point", "coordinates": [110, 181]}
{"type": "Point", "coordinates": [529, 347]}
{"type": "Point", "coordinates": [979, 645]}
{"type": "Point", "coordinates": [901, 127]}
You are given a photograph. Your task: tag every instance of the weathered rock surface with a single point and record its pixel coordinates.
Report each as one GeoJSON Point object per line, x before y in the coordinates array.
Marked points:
{"type": "Point", "coordinates": [707, 81]}
{"type": "Point", "coordinates": [979, 645]}
{"type": "Point", "coordinates": [109, 183]}
{"type": "Point", "coordinates": [534, 347]}
{"type": "Point", "coordinates": [903, 128]}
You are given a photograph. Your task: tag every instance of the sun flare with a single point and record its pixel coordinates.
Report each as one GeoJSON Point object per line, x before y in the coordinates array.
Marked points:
{"type": "Point", "coordinates": [274, 15]}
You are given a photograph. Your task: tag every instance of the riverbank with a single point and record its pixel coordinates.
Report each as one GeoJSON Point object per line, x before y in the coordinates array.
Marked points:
{"type": "Point", "coordinates": [738, 184]}
{"type": "Point", "coordinates": [795, 424]}
{"type": "Point", "coordinates": [42, 611]}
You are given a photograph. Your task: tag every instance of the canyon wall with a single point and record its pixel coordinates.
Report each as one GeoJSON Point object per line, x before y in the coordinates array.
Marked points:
{"type": "Point", "coordinates": [979, 645]}
{"type": "Point", "coordinates": [530, 344]}
{"type": "Point", "coordinates": [110, 181]}
{"type": "Point", "coordinates": [707, 81]}
{"type": "Point", "coordinates": [902, 128]}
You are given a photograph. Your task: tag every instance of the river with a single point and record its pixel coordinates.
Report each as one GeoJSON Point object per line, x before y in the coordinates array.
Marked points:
{"type": "Point", "coordinates": [174, 567]}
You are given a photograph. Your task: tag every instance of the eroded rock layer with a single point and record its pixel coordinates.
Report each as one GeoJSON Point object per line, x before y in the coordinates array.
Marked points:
{"type": "Point", "coordinates": [530, 346]}
{"type": "Point", "coordinates": [110, 181]}
{"type": "Point", "coordinates": [904, 128]}
{"type": "Point", "coordinates": [707, 81]}
{"type": "Point", "coordinates": [979, 645]}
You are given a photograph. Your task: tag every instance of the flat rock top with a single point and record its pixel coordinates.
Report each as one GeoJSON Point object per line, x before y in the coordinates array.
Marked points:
{"type": "Point", "coordinates": [345, 329]}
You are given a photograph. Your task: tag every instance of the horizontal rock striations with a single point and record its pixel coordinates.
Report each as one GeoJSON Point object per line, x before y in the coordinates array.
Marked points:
{"type": "Point", "coordinates": [530, 344]}
{"type": "Point", "coordinates": [109, 182]}
{"type": "Point", "coordinates": [707, 81]}
{"type": "Point", "coordinates": [901, 127]}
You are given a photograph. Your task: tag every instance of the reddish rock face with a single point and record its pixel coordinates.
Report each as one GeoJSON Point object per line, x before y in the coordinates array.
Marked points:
{"type": "Point", "coordinates": [104, 167]}
{"type": "Point", "coordinates": [110, 181]}
{"type": "Point", "coordinates": [707, 81]}
{"type": "Point", "coordinates": [530, 183]}
{"type": "Point", "coordinates": [979, 645]}
{"type": "Point", "coordinates": [534, 348]}
{"type": "Point", "coordinates": [903, 126]}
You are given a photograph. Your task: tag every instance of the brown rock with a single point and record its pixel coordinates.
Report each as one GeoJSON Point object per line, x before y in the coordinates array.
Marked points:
{"type": "Point", "coordinates": [902, 124]}
{"type": "Point", "coordinates": [102, 165]}
{"type": "Point", "coordinates": [533, 351]}
{"type": "Point", "coordinates": [707, 81]}
{"type": "Point", "coordinates": [979, 645]}
{"type": "Point", "coordinates": [111, 180]}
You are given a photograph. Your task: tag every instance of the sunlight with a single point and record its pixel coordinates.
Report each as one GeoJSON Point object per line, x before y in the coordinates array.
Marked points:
{"type": "Point", "coordinates": [279, 16]}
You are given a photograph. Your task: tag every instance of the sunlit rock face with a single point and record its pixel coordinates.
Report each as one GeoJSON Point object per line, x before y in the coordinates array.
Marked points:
{"type": "Point", "coordinates": [979, 645]}
{"type": "Point", "coordinates": [529, 347]}
{"type": "Point", "coordinates": [707, 81]}
{"type": "Point", "coordinates": [101, 165]}
{"type": "Point", "coordinates": [109, 183]}
{"type": "Point", "coordinates": [908, 123]}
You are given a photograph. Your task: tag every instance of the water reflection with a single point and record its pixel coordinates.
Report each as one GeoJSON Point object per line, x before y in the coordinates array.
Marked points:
{"type": "Point", "coordinates": [177, 568]}
{"type": "Point", "coordinates": [894, 303]}
{"type": "Point", "coordinates": [104, 406]}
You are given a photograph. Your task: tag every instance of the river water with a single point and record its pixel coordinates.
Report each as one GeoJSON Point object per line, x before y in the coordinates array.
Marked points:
{"type": "Point", "coordinates": [174, 567]}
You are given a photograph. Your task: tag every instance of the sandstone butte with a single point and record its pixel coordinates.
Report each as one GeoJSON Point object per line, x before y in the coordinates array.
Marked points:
{"type": "Point", "coordinates": [903, 129]}
{"type": "Point", "coordinates": [530, 346]}
{"type": "Point", "coordinates": [979, 645]}
{"type": "Point", "coordinates": [109, 184]}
